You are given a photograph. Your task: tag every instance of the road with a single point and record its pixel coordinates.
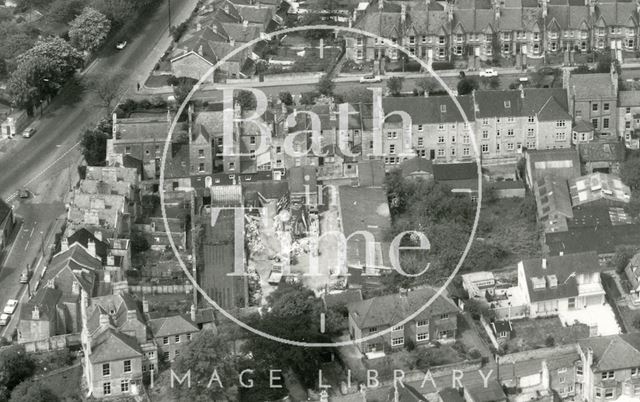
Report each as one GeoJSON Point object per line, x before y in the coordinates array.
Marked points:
{"type": "Point", "coordinates": [50, 156]}
{"type": "Point", "coordinates": [33, 237]}
{"type": "Point", "coordinates": [77, 108]}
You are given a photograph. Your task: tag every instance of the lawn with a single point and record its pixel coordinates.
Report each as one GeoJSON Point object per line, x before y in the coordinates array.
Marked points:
{"type": "Point", "coordinates": [629, 316]}
{"type": "Point", "coordinates": [533, 333]}
{"type": "Point", "coordinates": [421, 358]}
{"type": "Point", "coordinates": [507, 223]}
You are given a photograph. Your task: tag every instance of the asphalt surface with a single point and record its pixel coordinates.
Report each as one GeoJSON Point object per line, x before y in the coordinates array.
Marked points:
{"type": "Point", "coordinates": [30, 163]}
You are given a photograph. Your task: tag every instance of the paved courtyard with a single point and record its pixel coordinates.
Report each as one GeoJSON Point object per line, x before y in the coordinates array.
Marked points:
{"type": "Point", "coordinates": [602, 317]}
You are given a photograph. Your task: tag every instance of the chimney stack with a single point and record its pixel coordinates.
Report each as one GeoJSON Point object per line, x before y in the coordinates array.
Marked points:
{"type": "Point", "coordinates": [107, 277]}
{"type": "Point", "coordinates": [145, 306]}
{"type": "Point", "coordinates": [131, 315]}
{"type": "Point", "coordinates": [403, 13]}
{"type": "Point", "coordinates": [111, 260]}
{"type": "Point", "coordinates": [91, 247]}
{"type": "Point", "coordinates": [98, 235]}
{"type": "Point", "coordinates": [104, 319]}
{"type": "Point", "coordinates": [380, 5]}
{"type": "Point", "coordinates": [193, 313]}
{"type": "Point", "coordinates": [544, 263]}
{"type": "Point", "coordinates": [75, 288]}
{"type": "Point", "coordinates": [35, 313]}
{"type": "Point", "coordinates": [64, 244]}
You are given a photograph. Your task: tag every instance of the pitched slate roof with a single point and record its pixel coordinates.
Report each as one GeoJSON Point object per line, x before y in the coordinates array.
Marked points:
{"type": "Point", "coordinates": [568, 16]}
{"type": "Point", "coordinates": [599, 86]}
{"type": "Point", "coordinates": [628, 98]}
{"type": "Point", "coordinates": [565, 268]}
{"type": "Point", "coordinates": [83, 236]}
{"type": "Point", "coordinates": [603, 239]}
{"type": "Point", "coordinates": [46, 299]}
{"type": "Point", "coordinates": [73, 264]}
{"type": "Point", "coordinates": [111, 345]}
{"type": "Point", "coordinates": [614, 352]}
{"type": "Point", "coordinates": [116, 307]}
{"type": "Point", "coordinates": [455, 171]}
{"type": "Point", "coordinates": [431, 110]}
{"type": "Point", "coordinates": [616, 13]}
{"type": "Point", "coordinates": [173, 325]}
{"type": "Point", "coordinates": [416, 165]}
{"type": "Point", "coordinates": [391, 309]}
{"type": "Point", "coordinates": [384, 22]}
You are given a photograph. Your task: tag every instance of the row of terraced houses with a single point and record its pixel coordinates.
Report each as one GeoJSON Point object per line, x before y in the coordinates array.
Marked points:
{"type": "Point", "coordinates": [484, 29]}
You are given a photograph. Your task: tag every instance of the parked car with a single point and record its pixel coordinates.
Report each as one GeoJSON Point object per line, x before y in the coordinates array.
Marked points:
{"type": "Point", "coordinates": [23, 193]}
{"type": "Point", "coordinates": [370, 79]}
{"type": "Point", "coordinates": [523, 79]}
{"type": "Point", "coordinates": [4, 319]}
{"type": "Point", "coordinates": [29, 132]}
{"type": "Point", "coordinates": [10, 307]}
{"type": "Point", "coordinates": [25, 275]}
{"type": "Point", "coordinates": [489, 72]}
{"type": "Point", "coordinates": [121, 45]}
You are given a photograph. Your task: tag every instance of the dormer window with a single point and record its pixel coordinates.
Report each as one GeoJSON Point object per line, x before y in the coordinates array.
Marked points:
{"type": "Point", "coordinates": [507, 104]}
{"type": "Point", "coordinates": [443, 108]}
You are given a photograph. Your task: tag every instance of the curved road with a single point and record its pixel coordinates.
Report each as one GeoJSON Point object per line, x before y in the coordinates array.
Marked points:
{"type": "Point", "coordinates": [25, 161]}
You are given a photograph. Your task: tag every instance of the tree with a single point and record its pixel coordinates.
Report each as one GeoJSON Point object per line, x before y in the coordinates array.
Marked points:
{"type": "Point", "coordinates": [630, 172]}
{"type": "Point", "coordinates": [467, 85]}
{"type": "Point", "coordinates": [182, 88]}
{"type": "Point", "coordinates": [205, 355]}
{"type": "Point", "coordinates": [494, 83]}
{"type": "Point", "coordinates": [94, 147]}
{"type": "Point", "coordinates": [15, 367]}
{"type": "Point", "coordinates": [261, 67]}
{"type": "Point", "coordinates": [108, 90]}
{"type": "Point", "coordinates": [394, 85]}
{"type": "Point", "coordinates": [622, 257]}
{"type": "Point", "coordinates": [286, 98]}
{"type": "Point", "coordinates": [246, 100]}
{"type": "Point", "coordinates": [32, 391]}
{"type": "Point", "coordinates": [89, 30]}
{"type": "Point", "coordinates": [139, 243]}
{"type": "Point", "coordinates": [117, 11]}
{"type": "Point", "coordinates": [425, 85]}
{"type": "Point", "coordinates": [41, 71]}
{"type": "Point", "coordinates": [64, 11]}
{"type": "Point", "coordinates": [326, 85]}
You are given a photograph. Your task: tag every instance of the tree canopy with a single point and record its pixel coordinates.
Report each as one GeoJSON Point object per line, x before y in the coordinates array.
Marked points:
{"type": "Point", "coordinates": [89, 30]}
{"type": "Point", "coordinates": [394, 84]}
{"type": "Point", "coordinates": [630, 172]}
{"type": "Point", "coordinates": [205, 355]}
{"type": "Point", "coordinates": [15, 367]}
{"type": "Point", "coordinates": [326, 85]}
{"type": "Point", "coordinates": [94, 146]}
{"type": "Point", "coordinates": [42, 71]}
{"type": "Point", "coordinates": [32, 391]}
{"type": "Point", "coordinates": [467, 85]}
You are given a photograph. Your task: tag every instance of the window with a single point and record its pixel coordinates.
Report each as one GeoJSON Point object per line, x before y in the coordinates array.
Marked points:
{"type": "Point", "coordinates": [165, 356]}
{"type": "Point", "coordinates": [422, 323]}
{"type": "Point", "coordinates": [397, 341]}
{"type": "Point", "coordinates": [510, 146]}
{"type": "Point", "coordinates": [420, 141]}
{"type": "Point", "coordinates": [594, 107]}
{"type": "Point", "coordinates": [440, 153]}
{"type": "Point", "coordinates": [511, 119]}
{"type": "Point", "coordinates": [127, 366]}
{"type": "Point", "coordinates": [201, 167]}
{"type": "Point", "coordinates": [152, 367]}
{"type": "Point", "coordinates": [359, 41]}
{"type": "Point", "coordinates": [605, 107]}
{"type": "Point", "coordinates": [578, 114]}
{"type": "Point", "coordinates": [453, 138]}
{"type": "Point", "coordinates": [594, 123]}
{"type": "Point", "coordinates": [106, 370]}
{"type": "Point", "coordinates": [373, 329]}
{"type": "Point", "coordinates": [201, 153]}
{"type": "Point", "coordinates": [605, 123]}
{"type": "Point", "coordinates": [422, 337]}
{"type": "Point", "coordinates": [441, 40]}
{"type": "Point", "coordinates": [608, 393]}
{"type": "Point", "coordinates": [106, 388]}
{"type": "Point", "coordinates": [176, 354]}
{"type": "Point", "coordinates": [485, 122]}
{"type": "Point", "coordinates": [485, 148]}
{"type": "Point", "coordinates": [510, 132]}
{"type": "Point", "coordinates": [532, 119]}
{"type": "Point", "coordinates": [561, 123]}
{"type": "Point", "coordinates": [485, 134]}
{"type": "Point", "coordinates": [151, 355]}
{"type": "Point", "coordinates": [531, 132]}
{"type": "Point", "coordinates": [443, 108]}
{"type": "Point", "coordinates": [124, 385]}
{"type": "Point", "coordinates": [598, 392]}
{"type": "Point", "coordinates": [188, 337]}
{"type": "Point", "coordinates": [507, 104]}
{"type": "Point", "coordinates": [441, 139]}
{"type": "Point", "coordinates": [252, 140]}
{"type": "Point", "coordinates": [607, 375]}
{"type": "Point", "coordinates": [627, 124]}
{"type": "Point", "coordinates": [392, 148]}
{"type": "Point", "coordinates": [578, 368]}
{"type": "Point", "coordinates": [127, 150]}
{"type": "Point", "coordinates": [398, 328]}
{"type": "Point", "coordinates": [561, 136]}
{"type": "Point", "coordinates": [420, 127]}
{"type": "Point", "coordinates": [465, 151]}
{"type": "Point", "coordinates": [440, 127]}
{"type": "Point", "coordinates": [453, 152]}
{"type": "Point", "coordinates": [627, 110]}
{"type": "Point", "coordinates": [444, 316]}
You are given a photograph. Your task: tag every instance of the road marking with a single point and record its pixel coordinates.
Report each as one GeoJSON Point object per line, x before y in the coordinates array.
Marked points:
{"type": "Point", "coordinates": [52, 163]}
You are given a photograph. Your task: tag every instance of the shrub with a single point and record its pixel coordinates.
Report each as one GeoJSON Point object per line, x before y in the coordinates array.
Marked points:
{"type": "Point", "coordinates": [549, 342]}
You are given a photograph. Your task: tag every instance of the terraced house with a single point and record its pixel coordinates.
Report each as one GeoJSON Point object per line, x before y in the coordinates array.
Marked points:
{"type": "Point", "coordinates": [485, 29]}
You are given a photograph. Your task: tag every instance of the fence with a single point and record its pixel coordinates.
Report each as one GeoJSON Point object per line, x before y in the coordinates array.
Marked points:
{"type": "Point", "coordinates": [58, 342]}
{"type": "Point", "coordinates": [161, 289]}
{"type": "Point", "coordinates": [489, 332]}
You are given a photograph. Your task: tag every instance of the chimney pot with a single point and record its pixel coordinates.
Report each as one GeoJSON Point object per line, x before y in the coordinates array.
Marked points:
{"type": "Point", "coordinates": [544, 263]}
